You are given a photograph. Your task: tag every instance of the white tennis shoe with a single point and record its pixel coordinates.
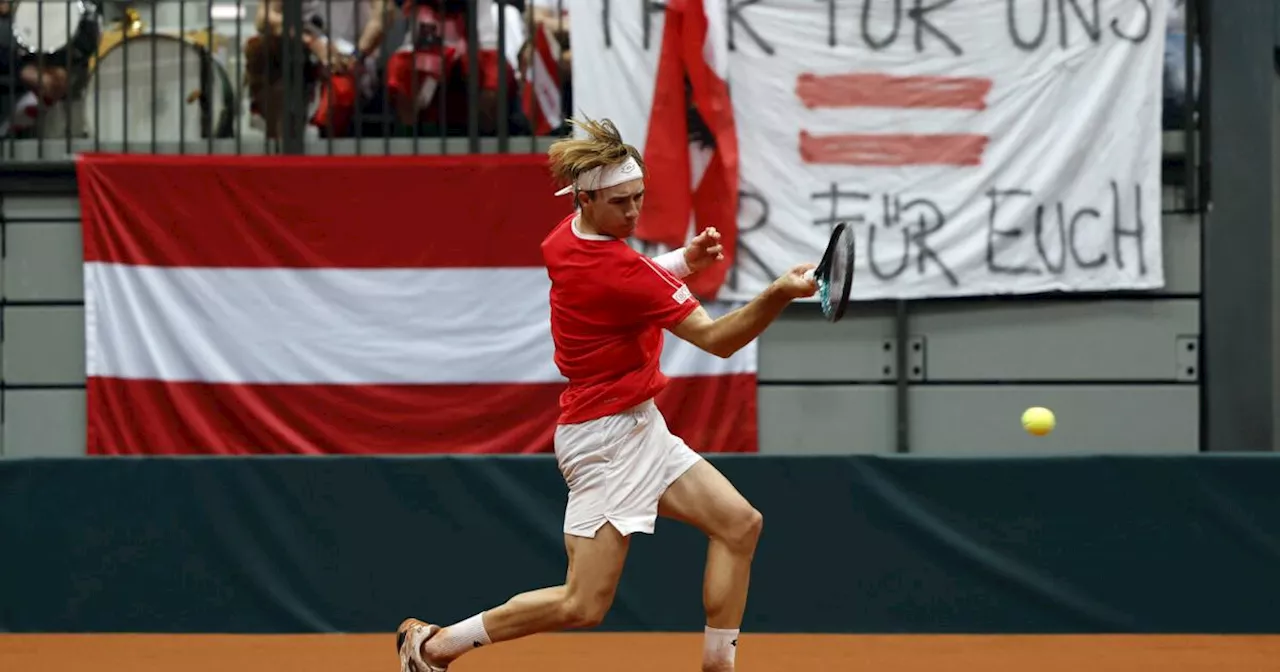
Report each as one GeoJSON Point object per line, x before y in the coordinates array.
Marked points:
{"type": "Point", "coordinates": [409, 639]}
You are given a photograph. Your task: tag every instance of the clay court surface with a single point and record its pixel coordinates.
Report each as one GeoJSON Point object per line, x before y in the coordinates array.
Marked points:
{"type": "Point", "coordinates": [592, 652]}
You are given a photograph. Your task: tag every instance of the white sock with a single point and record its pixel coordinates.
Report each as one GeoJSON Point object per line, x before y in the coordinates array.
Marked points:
{"type": "Point", "coordinates": [719, 648]}
{"type": "Point", "coordinates": [459, 638]}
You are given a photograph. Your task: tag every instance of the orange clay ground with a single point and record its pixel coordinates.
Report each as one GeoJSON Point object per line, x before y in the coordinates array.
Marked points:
{"type": "Point", "coordinates": [606, 652]}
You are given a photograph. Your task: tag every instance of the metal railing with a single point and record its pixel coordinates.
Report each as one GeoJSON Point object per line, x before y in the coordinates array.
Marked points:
{"type": "Point", "coordinates": [348, 77]}
{"type": "Point", "coordinates": [291, 76]}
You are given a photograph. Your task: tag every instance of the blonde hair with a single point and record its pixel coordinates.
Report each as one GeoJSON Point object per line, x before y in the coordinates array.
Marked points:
{"type": "Point", "coordinates": [602, 146]}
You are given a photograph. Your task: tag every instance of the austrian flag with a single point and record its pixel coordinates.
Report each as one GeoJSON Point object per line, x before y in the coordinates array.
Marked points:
{"type": "Point", "coordinates": [691, 143]}
{"type": "Point", "coordinates": [259, 305]}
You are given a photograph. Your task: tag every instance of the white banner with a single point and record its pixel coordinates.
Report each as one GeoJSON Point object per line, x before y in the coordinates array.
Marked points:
{"type": "Point", "coordinates": [976, 146]}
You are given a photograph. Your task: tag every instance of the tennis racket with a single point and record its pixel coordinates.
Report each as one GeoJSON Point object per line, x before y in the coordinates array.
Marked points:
{"type": "Point", "coordinates": [834, 273]}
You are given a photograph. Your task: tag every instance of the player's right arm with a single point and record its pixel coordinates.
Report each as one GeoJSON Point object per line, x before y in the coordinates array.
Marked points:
{"type": "Point", "coordinates": [729, 333]}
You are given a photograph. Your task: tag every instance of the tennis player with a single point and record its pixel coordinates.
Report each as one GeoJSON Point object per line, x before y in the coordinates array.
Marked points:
{"type": "Point", "coordinates": [609, 307]}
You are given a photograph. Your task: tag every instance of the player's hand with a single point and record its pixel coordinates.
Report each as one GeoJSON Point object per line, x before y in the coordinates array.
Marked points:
{"type": "Point", "coordinates": [796, 283]}
{"type": "Point", "coordinates": [704, 250]}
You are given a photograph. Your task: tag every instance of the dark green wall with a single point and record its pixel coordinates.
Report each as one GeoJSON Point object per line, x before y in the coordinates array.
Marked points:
{"type": "Point", "coordinates": [851, 544]}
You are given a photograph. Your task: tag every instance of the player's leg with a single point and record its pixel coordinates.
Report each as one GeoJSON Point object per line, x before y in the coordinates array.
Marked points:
{"type": "Point", "coordinates": [704, 498]}
{"type": "Point", "coordinates": [595, 566]}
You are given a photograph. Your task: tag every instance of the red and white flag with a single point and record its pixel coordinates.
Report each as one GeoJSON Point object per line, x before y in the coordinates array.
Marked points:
{"type": "Point", "coordinates": [670, 97]}
{"type": "Point", "coordinates": [243, 305]}
{"type": "Point", "coordinates": [540, 93]}
{"type": "Point", "coordinates": [691, 148]}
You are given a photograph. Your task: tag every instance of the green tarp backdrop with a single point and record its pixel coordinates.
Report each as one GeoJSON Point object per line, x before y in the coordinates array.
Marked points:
{"type": "Point", "coordinates": [850, 544]}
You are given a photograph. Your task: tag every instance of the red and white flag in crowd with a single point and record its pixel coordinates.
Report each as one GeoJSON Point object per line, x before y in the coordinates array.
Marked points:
{"type": "Point", "coordinates": [540, 93]}
{"type": "Point", "coordinates": [244, 305]}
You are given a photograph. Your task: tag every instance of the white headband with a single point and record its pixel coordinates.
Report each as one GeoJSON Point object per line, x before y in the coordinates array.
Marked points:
{"type": "Point", "coordinates": [603, 177]}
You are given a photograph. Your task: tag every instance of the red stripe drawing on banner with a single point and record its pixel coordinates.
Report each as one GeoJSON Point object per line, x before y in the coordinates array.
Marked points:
{"type": "Point", "coordinates": [893, 149]}
{"type": "Point", "coordinates": [241, 305]}
{"type": "Point", "coordinates": [877, 90]}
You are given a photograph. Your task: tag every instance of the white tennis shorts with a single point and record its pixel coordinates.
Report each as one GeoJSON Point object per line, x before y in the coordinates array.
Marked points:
{"type": "Point", "coordinates": [617, 467]}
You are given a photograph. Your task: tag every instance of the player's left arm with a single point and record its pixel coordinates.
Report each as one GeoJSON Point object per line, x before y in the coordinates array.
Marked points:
{"type": "Point", "coordinates": [705, 249]}
{"type": "Point", "coordinates": [675, 262]}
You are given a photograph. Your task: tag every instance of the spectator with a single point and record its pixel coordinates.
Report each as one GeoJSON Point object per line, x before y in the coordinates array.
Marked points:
{"type": "Point", "coordinates": [341, 40]}
{"type": "Point", "coordinates": [1176, 97]}
{"type": "Point", "coordinates": [29, 79]}
{"type": "Point", "coordinates": [426, 77]}
{"type": "Point", "coordinates": [514, 29]}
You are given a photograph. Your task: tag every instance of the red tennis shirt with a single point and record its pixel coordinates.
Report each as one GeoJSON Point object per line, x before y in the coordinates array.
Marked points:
{"type": "Point", "coordinates": [609, 307]}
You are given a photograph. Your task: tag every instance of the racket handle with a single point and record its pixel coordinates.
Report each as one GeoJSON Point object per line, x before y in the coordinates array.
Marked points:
{"type": "Point", "coordinates": [809, 275]}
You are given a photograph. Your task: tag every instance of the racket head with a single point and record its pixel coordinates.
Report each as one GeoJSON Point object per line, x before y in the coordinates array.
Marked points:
{"type": "Point", "coordinates": [834, 273]}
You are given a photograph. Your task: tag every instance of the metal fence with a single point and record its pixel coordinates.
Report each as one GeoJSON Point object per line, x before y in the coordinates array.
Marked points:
{"type": "Point", "coordinates": [348, 77]}
{"type": "Point", "coordinates": [272, 76]}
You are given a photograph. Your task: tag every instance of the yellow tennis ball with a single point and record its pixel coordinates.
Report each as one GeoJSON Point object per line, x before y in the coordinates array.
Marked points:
{"type": "Point", "coordinates": [1038, 420]}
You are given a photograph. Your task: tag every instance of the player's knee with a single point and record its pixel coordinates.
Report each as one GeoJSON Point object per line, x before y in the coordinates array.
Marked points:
{"type": "Point", "coordinates": [744, 531]}
{"type": "Point", "coordinates": [584, 611]}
